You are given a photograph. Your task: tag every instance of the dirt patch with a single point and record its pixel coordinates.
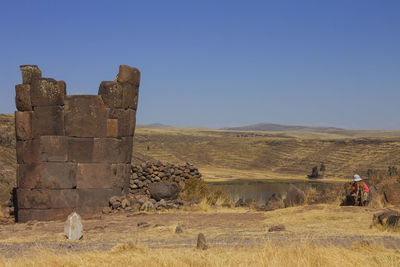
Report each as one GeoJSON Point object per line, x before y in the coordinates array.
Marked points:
{"type": "Point", "coordinates": [236, 228]}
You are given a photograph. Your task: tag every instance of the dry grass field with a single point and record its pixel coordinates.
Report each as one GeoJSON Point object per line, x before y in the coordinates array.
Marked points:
{"type": "Point", "coordinates": [318, 235]}
{"type": "Point", "coordinates": [223, 155]}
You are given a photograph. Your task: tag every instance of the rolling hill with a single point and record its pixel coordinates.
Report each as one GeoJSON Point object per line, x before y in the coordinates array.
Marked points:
{"type": "Point", "coordinates": [230, 154]}
{"type": "Point", "coordinates": [279, 127]}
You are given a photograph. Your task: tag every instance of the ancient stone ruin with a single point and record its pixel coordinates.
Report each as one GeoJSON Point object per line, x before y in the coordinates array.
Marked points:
{"type": "Point", "coordinates": [73, 151]}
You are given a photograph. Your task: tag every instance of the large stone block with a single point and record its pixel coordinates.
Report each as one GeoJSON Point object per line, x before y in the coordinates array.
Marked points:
{"type": "Point", "coordinates": [48, 121]}
{"type": "Point", "coordinates": [94, 175]}
{"type": "Point", "coordinates": [85, 116]}
{"type": "Point", "coordinates": [43, 149]}
{"type": "Point", "coordinates": [47, 199]}
{"type": "Point", "coordinates": [112, 128]}
{"type": "Point", "coordinates": [126, 121]}
{"type": "Point", "coordinates": [23, 97]}
{"type": "Point", "coordinates": [23, 125]}
{"type": "Point", "coordinates": [121, 174]}
{"type": "Point", "coordinates": [54, 148]}
{"type": "Point", "coordinates": [128, 74]}
{"type": "Point", "coordinates": [130, 96]}
{"type": "Point", "coordinates": [25, 215]}
{"type": "Point", "coordinates": [30, 73]}
{"type": "Point", "coordinates": [80, 149]}
{"type": "Point", "coordinates": [47, 175]}
{"type": "Point", "coordinates": [101, 175]}
{"type": "Point", "coordinates": [106, 150]}
{"type": "Point", "coordinates": [111, 93]}
{"type": "Point", "coordinates": [96, 197]}
{"type": "Point", "coordinates": [47, 92]}
{"type": "Point", "coordinates": [126, 149]}
{"type": "Point", "coordinates": [28, 151]}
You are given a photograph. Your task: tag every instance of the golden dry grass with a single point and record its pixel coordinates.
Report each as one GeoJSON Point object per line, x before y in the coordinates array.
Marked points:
{"type": "Point", "coordinates": [300, 245]}
{"type": "Point", "coordinates": [269, 255]}
{"type": "Point", "coordinates": [223, 155]}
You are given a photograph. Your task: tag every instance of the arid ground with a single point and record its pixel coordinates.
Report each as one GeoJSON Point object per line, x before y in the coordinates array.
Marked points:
{"type": "Point", "coordinates": [312, 227]}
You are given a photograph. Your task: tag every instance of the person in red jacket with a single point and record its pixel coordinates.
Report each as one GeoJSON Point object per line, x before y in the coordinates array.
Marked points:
{"type": "Point", "coordinates": [357, 181]}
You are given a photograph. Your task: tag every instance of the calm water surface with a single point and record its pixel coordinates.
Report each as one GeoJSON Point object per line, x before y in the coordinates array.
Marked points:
{"type": "Point", "coordinates": [261, 191]}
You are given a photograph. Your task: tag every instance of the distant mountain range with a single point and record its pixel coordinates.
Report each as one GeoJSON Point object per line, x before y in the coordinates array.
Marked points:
{"type": "Point", "coordinates": [279, 127]}
{"type": "Point", "coordinates": [156, 125]}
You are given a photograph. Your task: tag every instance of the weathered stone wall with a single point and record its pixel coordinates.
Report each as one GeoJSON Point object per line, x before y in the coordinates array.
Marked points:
{"type": "Point", "coordinates": [73, 151]}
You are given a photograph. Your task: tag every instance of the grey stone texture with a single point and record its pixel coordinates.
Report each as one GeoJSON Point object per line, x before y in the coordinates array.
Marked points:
{"type": "Point", "coordinates": [73, 228]}
{"type": "Point", "coordinates": [73, 151]}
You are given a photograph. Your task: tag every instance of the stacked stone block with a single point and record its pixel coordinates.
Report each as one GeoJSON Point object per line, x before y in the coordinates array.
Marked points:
{"type": "Point", "coordinates": [73, 151]}
{"type": "Point", "coordinates": [145, 174]}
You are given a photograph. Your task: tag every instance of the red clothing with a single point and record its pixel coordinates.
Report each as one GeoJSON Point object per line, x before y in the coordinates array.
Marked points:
{"type": "Point", "coordinates": [366, 189]}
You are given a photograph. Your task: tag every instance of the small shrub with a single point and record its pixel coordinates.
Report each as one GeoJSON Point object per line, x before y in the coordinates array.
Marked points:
{"type": "Point", "coordinates": [314, 173]}
{"type": "Point", "coordinates": [392, 171]}
{"type": "Point", "coordinates": [195, 190]}
{"type": "Point", "coordinates": [220, 198]}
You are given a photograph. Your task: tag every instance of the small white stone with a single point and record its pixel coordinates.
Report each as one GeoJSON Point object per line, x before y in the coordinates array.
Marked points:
{"type": "Point", "coordinates": [73, 228]}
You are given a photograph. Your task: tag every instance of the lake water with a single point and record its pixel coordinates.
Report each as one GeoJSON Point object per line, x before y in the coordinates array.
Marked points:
{"type": "Point", "coordinates": [261, 191]}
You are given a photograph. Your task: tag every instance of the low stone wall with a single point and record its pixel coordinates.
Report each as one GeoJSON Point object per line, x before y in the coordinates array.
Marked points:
{"type": "Point", "coordinates": [147, 173]}
{"type": "Point", "coordinates": [154, 186]}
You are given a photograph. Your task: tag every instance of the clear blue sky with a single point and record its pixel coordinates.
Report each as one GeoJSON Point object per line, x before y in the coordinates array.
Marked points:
{"type": "Point", "coordinates": [218, 63]}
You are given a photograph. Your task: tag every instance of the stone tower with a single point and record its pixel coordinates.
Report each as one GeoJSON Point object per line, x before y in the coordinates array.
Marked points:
{"type": "Point", "coordinates": [73, 151]}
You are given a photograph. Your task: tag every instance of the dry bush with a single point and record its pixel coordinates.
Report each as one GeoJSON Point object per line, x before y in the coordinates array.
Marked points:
{"type": "Point", "coordinates": [219, 198]}
{"type": "Point", "coordinates": [195, 190]}
{"type": "Point", "coordinates": [334, 194]}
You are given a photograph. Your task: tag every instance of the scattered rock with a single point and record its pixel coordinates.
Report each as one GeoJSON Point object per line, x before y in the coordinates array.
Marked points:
{"type": "Point", "coordinates": [382, 217]}
{"type": "Point", "coordinates": [162, 203]}
{"type": "Point", "coordinates": [178, 229]}
{"type": "Point", "coordinates": [115, 202]}
{"type": "Point", "coordinates": [201, 242]}
{"type": "Point", "coordinates": [143, 224]}
{"type": "Point", "coordinates": [241, 203]}
{"type": "Point", "coordinates": [125, 203]}
{"type": "Point", "coordinates": [73, 228]}
{"type": "Point", "coordinates": [106, 210]}
{"type": "Point", "coordinates": [147, 206]}
{"type": "Point", "coordinates": [393, 221]}
{"type": "Point", "coordinates": [276, 228]}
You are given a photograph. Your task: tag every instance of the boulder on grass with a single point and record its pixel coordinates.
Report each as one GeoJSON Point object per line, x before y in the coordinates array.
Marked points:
{"type": "Point", "coordinates": [73, 228]}
{"type": "Point", "coordinates": [163, 190]}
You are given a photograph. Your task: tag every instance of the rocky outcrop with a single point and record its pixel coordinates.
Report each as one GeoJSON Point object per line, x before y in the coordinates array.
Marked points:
{"type": "Point", "coordinates": [387, 219]}
{"type": "Point", "coordinates": [73, 151]}
{"type": "Point", "coordinates": [392, 193]}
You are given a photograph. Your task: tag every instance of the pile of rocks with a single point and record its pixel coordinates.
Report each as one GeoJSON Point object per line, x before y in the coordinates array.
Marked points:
{"type": "Point", "coordinates": [154, 186]}
{"type": "Point", "coordinates": [153, 172]}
